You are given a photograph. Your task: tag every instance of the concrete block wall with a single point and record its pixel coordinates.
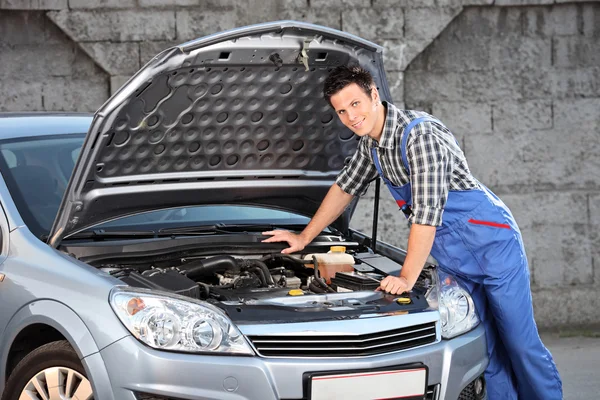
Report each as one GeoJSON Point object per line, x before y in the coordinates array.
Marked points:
{"type": "Point", "coordinates": [518, 81]}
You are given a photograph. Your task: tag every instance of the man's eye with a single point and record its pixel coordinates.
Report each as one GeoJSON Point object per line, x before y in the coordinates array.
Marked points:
{"type": "Point", "coordinates": [355, 104]}
{"type": "Point", "coordinates": [340, 112]}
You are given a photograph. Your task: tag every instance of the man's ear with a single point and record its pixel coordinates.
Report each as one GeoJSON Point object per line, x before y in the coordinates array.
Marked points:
{"type": "Point", "coordinates": [374, 96]}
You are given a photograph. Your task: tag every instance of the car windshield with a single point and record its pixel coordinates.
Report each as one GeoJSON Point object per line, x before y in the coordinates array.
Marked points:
{"type": "Point", "coordinates": [37, 171]}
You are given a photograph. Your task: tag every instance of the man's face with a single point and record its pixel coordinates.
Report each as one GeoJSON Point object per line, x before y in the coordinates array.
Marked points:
{"type": "Point", "coordinates": [356, 109]}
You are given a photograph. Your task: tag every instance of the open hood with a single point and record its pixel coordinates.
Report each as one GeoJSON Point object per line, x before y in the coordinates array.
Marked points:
{"type": "Point", "coordinates": [233, 118]}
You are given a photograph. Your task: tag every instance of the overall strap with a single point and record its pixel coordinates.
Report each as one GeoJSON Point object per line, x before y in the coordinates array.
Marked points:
{"type": "Point", "coordinates": [378, 166]}
{"type": "Point", "coordinates": [405, 137]}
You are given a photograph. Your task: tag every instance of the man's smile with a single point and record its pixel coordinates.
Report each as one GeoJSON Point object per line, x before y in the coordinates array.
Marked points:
{"type": "Point", "coordinates": [358, 124]}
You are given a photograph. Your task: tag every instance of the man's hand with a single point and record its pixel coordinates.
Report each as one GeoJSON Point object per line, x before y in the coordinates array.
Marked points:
{"type": "Point", "coordinates": [296, 242]}
{"type": "Point", "coordinates": [394, 285]}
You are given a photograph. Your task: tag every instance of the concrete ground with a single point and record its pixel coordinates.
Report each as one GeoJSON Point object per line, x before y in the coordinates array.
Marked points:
{"type": "Point", "coordinates": [578, 361]}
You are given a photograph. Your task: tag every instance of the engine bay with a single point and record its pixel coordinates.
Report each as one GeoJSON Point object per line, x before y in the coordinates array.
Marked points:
{"type": "Point", "coordinates": [247, 278]}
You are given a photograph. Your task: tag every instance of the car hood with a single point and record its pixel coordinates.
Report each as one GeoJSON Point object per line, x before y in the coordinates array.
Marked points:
{"type": "Point", "coordinates": [233, 118]}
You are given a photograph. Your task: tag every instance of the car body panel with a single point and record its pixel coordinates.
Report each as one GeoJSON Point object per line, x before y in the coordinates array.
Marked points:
{"type": "Point", "coordinates": [272, 379]}
{"type": "Point", "coordinates": [234, 118]}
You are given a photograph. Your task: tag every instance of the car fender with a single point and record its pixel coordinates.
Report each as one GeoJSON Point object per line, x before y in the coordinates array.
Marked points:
{"type": "Point", "coordinates": [59, 317]}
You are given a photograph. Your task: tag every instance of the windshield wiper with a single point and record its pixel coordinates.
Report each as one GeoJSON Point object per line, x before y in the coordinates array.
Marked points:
{"type": "Point", "coordinates": [226, 228]}
{"type": "Point", "coordinates": [101, 234]}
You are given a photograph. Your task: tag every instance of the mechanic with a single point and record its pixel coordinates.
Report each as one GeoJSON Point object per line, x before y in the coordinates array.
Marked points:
{"type": "Point", "coordinates": [469, 230]}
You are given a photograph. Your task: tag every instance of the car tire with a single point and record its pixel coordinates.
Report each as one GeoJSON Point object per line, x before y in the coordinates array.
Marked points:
{"type": "Point", "coordinates": [56, 362]}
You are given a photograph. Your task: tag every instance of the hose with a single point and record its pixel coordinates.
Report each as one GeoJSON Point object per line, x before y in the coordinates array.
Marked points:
{"type": "Point", "coordinates": [261, 275]}
{"type": "Point", "coordinates": [208, 265]}
{"type": "Point", "coordinates": [265, 270]}
{"type": "Point", "coordinates": [320, 281]}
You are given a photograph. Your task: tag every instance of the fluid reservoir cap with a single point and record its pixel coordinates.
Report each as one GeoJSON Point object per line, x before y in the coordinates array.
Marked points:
{"type": "Point", "coordinates": [295, 292]}
{"type": "Point", "coordinates": [337, 249]}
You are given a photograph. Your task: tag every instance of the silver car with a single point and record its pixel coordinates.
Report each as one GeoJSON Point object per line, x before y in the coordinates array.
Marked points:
{"type": "Point", "coordinates": [132, 265]}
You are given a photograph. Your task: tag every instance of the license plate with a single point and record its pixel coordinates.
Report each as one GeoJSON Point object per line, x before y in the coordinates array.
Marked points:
{"type": "Point", "coordinates": [406, 384]}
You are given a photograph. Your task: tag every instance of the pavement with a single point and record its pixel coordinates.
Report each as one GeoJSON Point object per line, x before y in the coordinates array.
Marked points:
{"type": "Point", "coordinates": [578, 362]}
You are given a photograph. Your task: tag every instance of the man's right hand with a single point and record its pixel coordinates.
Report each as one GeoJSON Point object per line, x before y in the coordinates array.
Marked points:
{"type": "Point", "coordinates": [296, 242]}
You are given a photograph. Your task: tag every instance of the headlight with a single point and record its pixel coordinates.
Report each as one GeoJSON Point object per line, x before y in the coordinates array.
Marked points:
{"type": "Point", "coordinates": [456, 306]}
{"type": "Point", "coordinates": [171, 322]}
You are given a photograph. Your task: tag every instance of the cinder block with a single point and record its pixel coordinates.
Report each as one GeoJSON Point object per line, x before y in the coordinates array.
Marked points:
{"type": "Point", "coordinates": [397, 54]}
{"type": "Point", "coordinates": [427, 23]}
{"type": "Point", "coordinates": [458, 54]}
{"type": "Point", "coordinates": [464, 118]}
{"type": "Point", "coordinates": [117, 26]}
{"type": "Point", "coordinates": [576, 306]}
{"type": "Point", "coordinates": [575, 83]}
{"type": "Point", "coordinates": [36, 61]}
{"type": "Point", "coordinates": [170, 3]}
{"type": "Point", "coordinates": [527, 160]}
{"type": "Point", "coordinates": [576, 51]}
{"type": "Point", "coordinates": [20, 95]}
{"type": "Point", "coordinates": [522, 2]}
{"type": "Point", "coordinates": [150, 49]}
{"type": "Point", "coordinates": [63, 94]}
{"type": "Point", "coordinates": [13, 34]}
{"type": "Point", "coordinates": [553, 207]}
{"type": "Point", "coordinates": [517, 52]}
{"type": "Point", "coordinates": [477, 2]}
{"type": "Point", "coordinates": [561, 254]}
{"type": "Point", "coordinates": [117, 81]}
{"type": "Point", "coordinates": [551, 21]}
{"type": "Point", "coordinates": [523, 115]}
{"type": "Point", "coordinates": [115, 58]}
{"type": "Point", "coordinates": [571, 113]}
{"type": "Point", "coordinates": [84, 67]}
{"type": "Point", "coordinates": [561, 83]}
{"type": "Point", "coordinates": [104, 4]}
{"type": "Point", "coordinates": [258, 11]}
{"type": "Point", "coordinates": [330, 17]}
{"type": "Point", "coordinates": [386, 4]}
{"type": "Point", "coordinates": [33, 4]}
{"type": "Point", "coordinates": [339, 4]}
{"type": "Point", "coordinates": [372, 24]}
{"type": "Point", "coordinates": [591, 19]}
{"type": "Point", "coordinates": [490, 85]}
{"type": "Point", "coordinates": [480, 22]}
{"type": "Point", "coordinates": [396, 83]}
{"type": "Point", "coordinates": [432, 86]}
{"type": "Point", "coordinates": [594, 205]}
{"type": "Point", "coordinates": [193, 24]}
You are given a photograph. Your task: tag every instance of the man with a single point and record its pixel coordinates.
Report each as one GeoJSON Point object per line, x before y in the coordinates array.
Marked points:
{"type": "Point", "coordinates": [458, 220]}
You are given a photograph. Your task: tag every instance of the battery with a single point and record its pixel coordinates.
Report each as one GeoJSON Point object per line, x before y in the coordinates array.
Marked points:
{"type": "Point", "coordinates": [353, 281]}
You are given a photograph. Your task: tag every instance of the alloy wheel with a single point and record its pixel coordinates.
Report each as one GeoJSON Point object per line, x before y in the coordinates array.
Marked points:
{"type": "Point", "coordinates": [58, 383]}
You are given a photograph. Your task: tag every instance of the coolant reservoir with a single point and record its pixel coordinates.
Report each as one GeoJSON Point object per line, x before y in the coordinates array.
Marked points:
{"type": "Point", "coordinates": [336, 260]}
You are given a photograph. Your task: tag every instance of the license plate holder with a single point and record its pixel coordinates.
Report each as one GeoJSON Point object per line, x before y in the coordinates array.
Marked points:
{"type": "Point", "coordinates": [406, 382]}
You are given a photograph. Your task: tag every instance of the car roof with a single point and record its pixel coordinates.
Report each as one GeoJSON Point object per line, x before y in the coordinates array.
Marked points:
{"type": "Point", "coordinates": [26, 124]}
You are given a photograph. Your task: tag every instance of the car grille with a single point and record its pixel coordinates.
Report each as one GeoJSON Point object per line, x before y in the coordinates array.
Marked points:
{"type": "Point", "coordinates": [344, 345]}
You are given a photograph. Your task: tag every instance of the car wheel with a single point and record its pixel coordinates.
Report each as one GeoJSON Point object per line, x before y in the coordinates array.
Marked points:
{"type": "Point", "coordinates": [50, 372]}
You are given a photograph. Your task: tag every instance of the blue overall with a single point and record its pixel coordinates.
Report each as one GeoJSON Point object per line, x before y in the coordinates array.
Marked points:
{"type": "Point", "coordinates": [480, 244]}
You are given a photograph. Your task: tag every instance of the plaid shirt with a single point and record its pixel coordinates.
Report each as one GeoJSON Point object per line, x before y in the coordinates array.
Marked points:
{"type": "Point", "coordinates": [437, 164]}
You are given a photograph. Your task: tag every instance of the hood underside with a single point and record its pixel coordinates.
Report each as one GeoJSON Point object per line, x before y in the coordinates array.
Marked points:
{"type": "Point", "coordinates": [233, 118]}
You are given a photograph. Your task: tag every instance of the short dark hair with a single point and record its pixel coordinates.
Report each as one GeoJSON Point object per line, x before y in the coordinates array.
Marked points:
{"type": "Point", "coordinates": [344, 75]}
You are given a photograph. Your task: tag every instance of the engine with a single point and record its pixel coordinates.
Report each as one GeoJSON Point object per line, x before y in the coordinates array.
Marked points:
{"type": "Point", "coordinates": [227, 278]}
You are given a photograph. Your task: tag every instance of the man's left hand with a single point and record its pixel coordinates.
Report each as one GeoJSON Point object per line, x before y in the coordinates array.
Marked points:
{"type": "Point", "coordinates": [394, 285]}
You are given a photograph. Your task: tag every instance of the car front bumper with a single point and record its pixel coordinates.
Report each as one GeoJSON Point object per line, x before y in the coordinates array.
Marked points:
{"type": "Point", "coordinates": [127, 368]}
